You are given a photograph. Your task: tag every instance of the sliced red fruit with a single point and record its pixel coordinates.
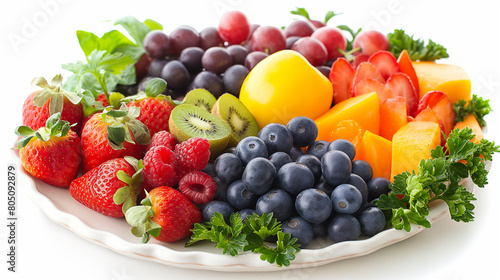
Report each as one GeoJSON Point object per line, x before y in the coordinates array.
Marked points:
{"type": "Point", "coordinates": [429, 115]}
{"type": "Point", "coordinates": [358, 59]}
{"type": "Point", "coordinates": [392, 116]}
{"type": "Point", "coordinates": [198, 186]}
{"type": "Point", "coordinates": [385, 63]}
{"type": "Point", "coordinates": [401, 85]}
{"type": "Point", "coordinates": [366, 70]}
{"type": "Point", "coordinates": [439, 102]}
{"type": "Point", "coordinates": [405, 65]}
{"type": "Point", "coordinates": [370, 85]}
{"type": "Point", "coordinates": [341, 77]}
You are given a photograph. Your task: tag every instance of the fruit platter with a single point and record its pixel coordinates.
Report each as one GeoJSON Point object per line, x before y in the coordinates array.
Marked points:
{"type": "Point", "coordinates": [197, 149]}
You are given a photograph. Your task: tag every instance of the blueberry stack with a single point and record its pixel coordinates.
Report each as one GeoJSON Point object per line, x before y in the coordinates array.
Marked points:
{"type": "Point", "coordinates": [313, 187]}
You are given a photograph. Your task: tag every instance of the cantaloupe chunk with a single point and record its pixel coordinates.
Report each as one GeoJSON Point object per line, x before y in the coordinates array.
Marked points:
{"type": "Point", "coordinates": [450, 79]}
{"type": "Point", "coordinates": [412, 143]}
{"type": "Point", "coordinates": [376, 150]}
{"type": "Point", "coordinates": [363, 109]}
{"type": "Point", "coordinates": [471, 122]}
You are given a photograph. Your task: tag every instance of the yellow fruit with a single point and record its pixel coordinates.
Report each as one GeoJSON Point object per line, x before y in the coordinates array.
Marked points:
{"type": "Point", "coordinates": [283, 86]}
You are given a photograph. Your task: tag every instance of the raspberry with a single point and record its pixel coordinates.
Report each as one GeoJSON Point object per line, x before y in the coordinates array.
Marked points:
{"type": "Point", "coordinates": [159, 167]}
{"type": "Point", "coordinates": [192, 154]}
{"type": "Point", "coordinates": [198, 186]}
{"type": "Point", "coordinates": [162, 138]}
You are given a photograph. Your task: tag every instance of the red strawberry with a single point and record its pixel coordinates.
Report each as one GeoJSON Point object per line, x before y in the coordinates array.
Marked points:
{"type": "Point", "coordinates": [385, 63]}
{"type": "Point", "coordinates": [155, 107]}
{"type": "Point", "coordinates": [51, 154]}
{"type": "Point", "coordinates": [366, 70]}
{"type": "Point", "coordinates": [113, 134]}
{"type": "Point", "coordinates": [166, 214]}
{"type": "Point", "coordinates": [370, 85]}
{"type": "Point", "coordinates": [51, 99]}
{"type": "Point", "coordinates": [341, 76]}
{"type": "Point", "coordinates": [198, 186]}
{"type": "Point", "coordinates": [401, 85]}
{"type": "Point", "coordinates": [110, 188]}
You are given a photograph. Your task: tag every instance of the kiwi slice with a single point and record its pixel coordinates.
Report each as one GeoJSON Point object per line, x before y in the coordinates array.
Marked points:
{"type": "Point", "coordinates": [201, 98]}
{"type": "Point", "coordinates": [187, 121]}
{"type": "Point", "coordinates": [242, 123]}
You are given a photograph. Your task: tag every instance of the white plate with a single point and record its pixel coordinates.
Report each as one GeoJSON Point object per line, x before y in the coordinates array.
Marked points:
{"type": "Point", "coordinates": [114, 234]}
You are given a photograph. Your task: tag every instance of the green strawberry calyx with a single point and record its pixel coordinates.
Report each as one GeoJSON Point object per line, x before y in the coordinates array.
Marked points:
{"type": "Point", "coordinates": [124, 126]}
{"type": "Point", "coordinates": [141, 219]}
{"type": "Point", "coordinates": [54, 93]}
{"type": "Point", "coordinates": [54, 126]}
{"type": "Point", "coordinates": [127, 196]}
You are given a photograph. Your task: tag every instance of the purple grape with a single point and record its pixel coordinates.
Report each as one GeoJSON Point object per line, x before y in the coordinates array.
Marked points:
{"type": "Point", "coordinates": [233, 78]}
{"type": "Point", "coordinates": [176, 75]}
{"type": "Point", "coordinates": [209, 37]}
{"type": "Point", "coordinates": [157, 44]}
{"type": "Point", "coordinates": [216, 59]}
{"type": "Point", "coordinates": [183, 37]}
{"type": "Point", "coordinates": [238, 53]}
{"type": "Point", "coordinates": [191, 58]}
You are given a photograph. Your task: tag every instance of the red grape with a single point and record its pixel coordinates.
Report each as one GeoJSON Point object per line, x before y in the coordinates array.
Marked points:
{"type": "Point", "coordinates": [312, 49]}
{"type": "Point", "coordinates": [370, 42]}
{"type": "Point", "coordinates": [332, 39]}
{"type": "Point", "coordinates": [234, 27]}
{"type": "Point", "coordinates": [183, 37]}
{"type": "Point", "coordinates": [299, 28]}
{"type": "Point", "coordinates": [268, 39]}
{"type": "Point", "coordinates": [157, 44]}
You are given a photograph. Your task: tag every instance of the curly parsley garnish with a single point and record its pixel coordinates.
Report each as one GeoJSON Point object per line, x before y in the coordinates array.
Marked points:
{"type": "Point", "coordinates": [476, 106]}
{"type": "Point", "coordinates": [241, 236]}
{"type": "Point", "coordinates": [417, 49]}
{"type": "Point", "coordinates": [439, 178]}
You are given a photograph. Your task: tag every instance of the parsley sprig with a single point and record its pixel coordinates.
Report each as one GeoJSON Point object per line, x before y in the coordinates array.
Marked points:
{"type": "Point", "coordinates": [417, 48]}
{"type": "Point", "coordinates": [440, 178]}
{"type": "Point", "coordinates": [250, 235]}
{"type": "Point", "coordinates": [476, 106]}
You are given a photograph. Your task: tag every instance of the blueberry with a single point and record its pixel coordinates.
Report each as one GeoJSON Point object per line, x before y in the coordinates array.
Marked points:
{"type": "Point", "coordinates": [296, 152]}
{"type": "Point", "coordinates": [313, 205]}
{"type": "Point", "coordinates": [244, 213]}
{"type": "Point", "coordinates": [228, 167]}
{"type": "Point", "coordinates": [313, 163]}
{"type": "Point", "coordinates": [336, 167]}
{"type": "Point", "coordinates": [324, 186]}
{"type": "Point", "coordinates": [249, 148]}
{"type": "Point", "coordinates": [277, 138]}
{"type": "Point", "coordinates": [360, 184]}
{"type": "Point", "coordinates": [295, 177]}
{"type": "Point", "coordinates": [319, 230]}
{"type": "Point", "coordinates": [221, 190]}
{"type": "Point", "coordinates": [346, 199]}
{"type": "Point", "coordinates": [372, 221]}
{"type": "Point", "coordinates": [300, 229]}
{"type": "Point", "coordinates": [210, 169]}
{"type": "Point", "coordinates": [344, 146]}
{"type": "Point", "coordinates": [377, 186]}
{"type": "Point", "coordinates": [258, 175]}
{"type": "Point", "coordinates": [344, 227]}
{"type": "Point", "coordinates": [318, 148]}
{"type": "Point", "coordinates": [276, 201]}
{"type": "Point", "coordinates": [239, 196]}
{"type": "Point", "coordinates": [217, 206]}
{"type": "Point", "coordinates": [363, 169]}
{"type": "Point", "coordinates": [304, 131]}
{"type": "Point", "coordinates": [279, 159]}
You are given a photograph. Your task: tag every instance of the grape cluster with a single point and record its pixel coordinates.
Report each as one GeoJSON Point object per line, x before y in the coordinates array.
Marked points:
{"type": "Point", "coordinates": [314, 188]}
{"type": "Point", "coordinates": [219, 59]}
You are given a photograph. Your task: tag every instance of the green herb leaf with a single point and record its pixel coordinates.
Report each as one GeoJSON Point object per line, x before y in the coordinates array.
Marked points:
{"type": "Point", "coordinates": [476, 106]}
{"type": "Point", "coordinates": [417, 49]}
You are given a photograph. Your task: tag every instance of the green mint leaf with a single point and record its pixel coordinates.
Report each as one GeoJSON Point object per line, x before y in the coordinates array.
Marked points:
{"type": "Point", "coordinates": [300, 12]}
{"type": "Point", "coordinates": [155, 86]}
{"type": "Point", "coordinates": [153, 25]}
{"type": "Point", "coordinates": [135, 28]}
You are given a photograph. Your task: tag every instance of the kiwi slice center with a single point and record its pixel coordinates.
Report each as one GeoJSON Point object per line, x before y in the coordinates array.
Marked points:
{"type": "Point", "coordinates": [237, 124]}
{"type": "Point", "coordinates": [199, 124]}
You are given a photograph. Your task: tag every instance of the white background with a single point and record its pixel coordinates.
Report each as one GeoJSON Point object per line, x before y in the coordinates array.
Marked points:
{"type": "Point", "coordinates": [45, 38]}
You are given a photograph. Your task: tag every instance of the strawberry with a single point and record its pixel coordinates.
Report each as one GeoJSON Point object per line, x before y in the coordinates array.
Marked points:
{"type": "Point", "coordinates": [113, 134]}
{"type": "Point", "coordinates": [52, 153]}
{"type": "Point", "coordinates": [366, 70]}
{"type": "Point", "coordinates": [165, 213]}
{"type": "Point", "coordinates": [401, 85]}
{"type": "Point", "coordinates": [110, 188]}
{"type": "Point", "coordinates": [385, 63]}
{"type": "Point", "coordinates": [51, 99]}
{"type": "Point", "coordinates": [341, 76]}
{"type": "Point", "coordinates": [406, 66]}
{"type": "Point", "coordinates": [155, 107]}
{"type": "Point", "coordinates": [370, 85]}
